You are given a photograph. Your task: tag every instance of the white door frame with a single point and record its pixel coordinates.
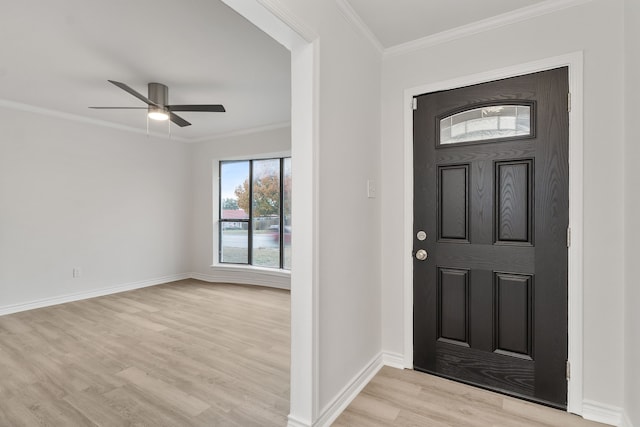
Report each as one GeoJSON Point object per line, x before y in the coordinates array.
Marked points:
{"type": "Point", "coordinates": [576, 214]}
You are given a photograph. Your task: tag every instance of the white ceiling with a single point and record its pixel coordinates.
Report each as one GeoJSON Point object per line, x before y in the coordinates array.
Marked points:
{"type": "Point", "coordinates": [58, 55]}
{"type": "Point", "coordinates": [395, 22]}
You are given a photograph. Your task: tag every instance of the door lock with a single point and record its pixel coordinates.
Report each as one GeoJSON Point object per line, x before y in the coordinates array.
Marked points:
{"type": "Point", "coordinates": [421, 255]}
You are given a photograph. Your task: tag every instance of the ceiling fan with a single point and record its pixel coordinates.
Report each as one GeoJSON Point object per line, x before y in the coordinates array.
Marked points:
{"type": "Point", "coordinates": [158, 104]}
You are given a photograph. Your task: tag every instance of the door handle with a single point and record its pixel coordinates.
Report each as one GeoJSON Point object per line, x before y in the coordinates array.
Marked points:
{"type": "Point", "coordinates": [421, 255]}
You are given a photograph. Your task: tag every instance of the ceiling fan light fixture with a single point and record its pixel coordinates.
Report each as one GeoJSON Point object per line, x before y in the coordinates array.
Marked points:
{"type": "Point", "coordinates": [159, 107]}
{"type": "Point", "coordinates": [158, 114]}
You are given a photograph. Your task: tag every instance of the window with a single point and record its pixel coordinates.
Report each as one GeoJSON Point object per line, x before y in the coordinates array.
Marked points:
{"type": "Point", "coordinates": [255, 212]}
{"type": "Point", "coordinates": [486, 123]}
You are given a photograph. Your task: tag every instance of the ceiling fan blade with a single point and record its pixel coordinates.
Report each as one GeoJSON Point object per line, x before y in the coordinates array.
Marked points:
{"type": "Point", "coordinates": [133, 92]}
{"type": "Point", "coordinates": [178, 120]}
{"type": "Point", "coordinates": [213, 108]}
{"type": "Point", "coordinates": [120, 108]}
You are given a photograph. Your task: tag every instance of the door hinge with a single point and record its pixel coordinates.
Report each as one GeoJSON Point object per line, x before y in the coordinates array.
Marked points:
{"type": "Point", "coordinates": [568, 237]}
{"type": "Point", "coordinates": [414, 103]}
{"type": "Point", "coordinates": [568, 370]}
{"type": "Point", "coordinates": [569, 102]}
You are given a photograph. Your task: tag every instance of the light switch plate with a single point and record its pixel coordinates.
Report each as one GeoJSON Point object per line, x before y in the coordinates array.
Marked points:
{"type": "Point", "coordinates": [371, 189]}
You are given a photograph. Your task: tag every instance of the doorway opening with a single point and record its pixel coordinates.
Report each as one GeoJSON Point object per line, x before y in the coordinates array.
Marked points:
{"type": "Point", "coordinates": [283, 27]}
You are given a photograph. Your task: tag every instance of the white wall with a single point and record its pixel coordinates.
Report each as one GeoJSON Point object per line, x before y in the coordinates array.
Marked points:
{"type": "Point", "coordinates": [348, 154]}
{"type": "Point", "coordinates": [350, 264]}
{"type": "Point", "coordinates": [632, 211]}
{"type": "Point", "coordinates": [78, 195]}
{"type": "Point", "coordinates": [546, 36]}
{"type": "Point", "coordinates": [204, 187]}
{"type": "Point", "coordinates": [349, 222]}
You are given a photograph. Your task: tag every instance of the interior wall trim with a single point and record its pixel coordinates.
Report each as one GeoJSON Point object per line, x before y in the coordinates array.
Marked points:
{"type": "Point", "coordinates": [11, 105]}
{"type": "Point", "coordinates": [340, 402]}
{"type": "Point", "coordinates": [61, 299]}
{"type": "Point", "coordinates": [241, 276]}
{"type": "Point", "coordinates": [508, 18]}
{"type": "Point", "coordinates": [294, 422]}
{"type": "Point", "coordinates": [241, 132]}
{"type": "Point", "coordinates": [293, 23]}
{"type": "Point", "coordinates": [626, 421]}
{"type": "Point", "coordinates": [603, 413]}
{"type": "Point", "coordinates": [81, 119]}
{"type": "Point", "coordinates": [356, 21]}
{"type": "Point", "coordinates": [394, 360]}
{"type": "Point", "coordinates": [275, 279]}
{"type": "Point", "coordinates": [574, 61]}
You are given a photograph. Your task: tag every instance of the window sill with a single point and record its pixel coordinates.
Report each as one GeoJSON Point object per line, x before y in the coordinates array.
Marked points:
{"type": "Point", "coordinates": [247, 275]}
{"type": "Point", "coordinates": [252, 268]}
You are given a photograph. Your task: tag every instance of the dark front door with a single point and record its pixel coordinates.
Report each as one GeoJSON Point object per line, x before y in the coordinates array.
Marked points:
{"type": "Point", "coordinates": [491, 212]}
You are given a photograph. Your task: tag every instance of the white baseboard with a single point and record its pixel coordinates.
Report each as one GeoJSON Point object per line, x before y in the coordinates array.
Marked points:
{"type": "Point", "coordinates": [293, 422]}
{"type": "Point", "coordinates": [394, 360]}
{"type": "Point", "coordinates": [333, 410]}
{"type": "Point", "coordinates": [257, 277]}
{"type": "Point", "coordinates": [46, 302]}
{"type": "Point", "coordinates": [626, 421]}
{"type": "Point", "coordinates": [349, 392]}
{"type": "Point", "coordinates": [603, 413]}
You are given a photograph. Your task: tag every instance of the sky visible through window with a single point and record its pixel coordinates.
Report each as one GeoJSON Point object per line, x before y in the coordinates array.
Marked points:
{"type": "Point", "coordinates": [234, 173]}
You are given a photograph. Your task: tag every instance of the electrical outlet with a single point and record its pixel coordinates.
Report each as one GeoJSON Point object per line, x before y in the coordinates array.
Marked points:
{"type": "Point", "coordinates": [77, 272]}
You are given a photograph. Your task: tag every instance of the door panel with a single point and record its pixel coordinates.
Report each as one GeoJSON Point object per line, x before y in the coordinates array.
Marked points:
{"type": "Point", "coordinates": [453, 305]}
{"type": "Point", "coordinates": [514, 200]}
{"type": "Point", "coordinates": [453, 202]}
{"type": "Point", "coordinates": [490, 300]}
{"type": "Point", "coordinates": [514, 312]}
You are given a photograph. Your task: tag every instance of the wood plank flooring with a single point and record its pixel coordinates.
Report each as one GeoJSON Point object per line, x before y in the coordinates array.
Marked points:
{"type": "Point", "coordinates": [408, 398]}
{"type": "Point", "coordinates": [191, 353]}
{"type": "Point", "coordinates": [186, 353]}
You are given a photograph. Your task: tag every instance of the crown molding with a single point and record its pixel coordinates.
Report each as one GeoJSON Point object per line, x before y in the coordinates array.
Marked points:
{"type": "Point", "coordinates": [515, 16]}
{"type": "Point", "coordinates": [12, 105]}
{"type": "Point", "coordinates": [240, 132]}
{"type": "Point", "coordinates": [276, 19]}
{"type": "Point", "coordinates": [284, 14]}
{"type": "Point", "coordinates": [356, 21]}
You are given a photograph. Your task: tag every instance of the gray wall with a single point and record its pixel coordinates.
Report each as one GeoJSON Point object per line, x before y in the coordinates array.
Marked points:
{"type": "Point", "coordinates": [632, 211]}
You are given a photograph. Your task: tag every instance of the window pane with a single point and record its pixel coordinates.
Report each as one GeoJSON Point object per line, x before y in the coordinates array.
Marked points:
{"type": "Point", "coordinates": [286, 212]}
{"type": "Point", "coordinates": [266, 213]}
{"type": "Point", "coordinates": [494, 122]}
{"type": "Point", "coordinates": [234, 204]}
{"type": "Point", "coordinates": [234, 190]}
{"type": "Point", "coordinates": [234, 247]}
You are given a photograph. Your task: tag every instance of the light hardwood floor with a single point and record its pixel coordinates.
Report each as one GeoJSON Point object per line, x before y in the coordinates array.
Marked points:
{"type": "Point", "coordinates": [191, 353]}
{"type": "Point", "coordinates": [408, 398]}
{"type": "Point", "coordinates": [187, 353]}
